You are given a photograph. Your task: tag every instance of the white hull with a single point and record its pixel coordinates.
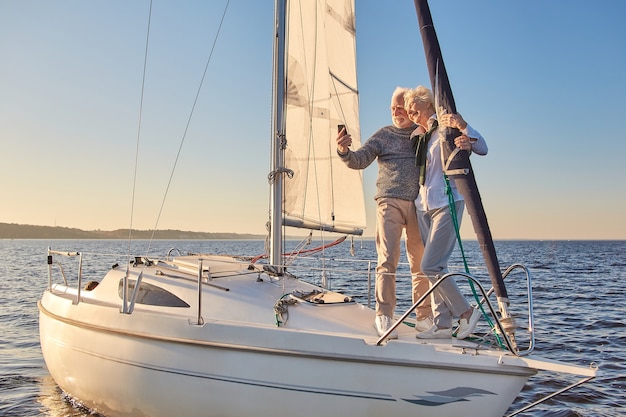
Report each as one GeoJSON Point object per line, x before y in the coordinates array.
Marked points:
{"type": "Point", "coordinates": [158, 361]}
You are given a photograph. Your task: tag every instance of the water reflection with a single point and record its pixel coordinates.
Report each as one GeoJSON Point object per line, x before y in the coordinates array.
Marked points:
{"type": "Point", "coordinates": [55, 403]}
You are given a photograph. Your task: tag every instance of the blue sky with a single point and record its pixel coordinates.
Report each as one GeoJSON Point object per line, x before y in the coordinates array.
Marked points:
{"type": "Point", "coordinates": [543, 81]}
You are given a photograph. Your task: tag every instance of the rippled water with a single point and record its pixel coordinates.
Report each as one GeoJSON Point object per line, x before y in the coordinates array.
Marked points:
{"type": "Point", "coordinates": [579, 303]}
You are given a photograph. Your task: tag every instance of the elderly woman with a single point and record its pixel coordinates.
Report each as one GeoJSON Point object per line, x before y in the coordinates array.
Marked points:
{"type": "Point", "coordinates": [433, 214]}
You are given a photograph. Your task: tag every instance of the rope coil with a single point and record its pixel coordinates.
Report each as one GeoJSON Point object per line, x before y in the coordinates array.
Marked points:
{"type": "Point", "coordinates": [281, 309]}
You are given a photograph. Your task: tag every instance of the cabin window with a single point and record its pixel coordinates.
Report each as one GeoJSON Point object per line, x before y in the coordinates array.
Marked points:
{"type": "Point", "coordinates": [152, 295]}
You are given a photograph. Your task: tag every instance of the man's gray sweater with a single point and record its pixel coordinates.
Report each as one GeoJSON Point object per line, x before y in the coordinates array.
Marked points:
{"type": "Point", "coordinates": [398, 177]}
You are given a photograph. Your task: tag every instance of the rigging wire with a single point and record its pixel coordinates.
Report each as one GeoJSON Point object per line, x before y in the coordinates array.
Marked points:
{"type": "Point", "coordinates": [191, 113]}
{"type": "Point", "coordinates": [311, 140]}
{"type": "Point", "coordinates": [143, 86]}
{"type": "Point", "coordinates": [310, 88]}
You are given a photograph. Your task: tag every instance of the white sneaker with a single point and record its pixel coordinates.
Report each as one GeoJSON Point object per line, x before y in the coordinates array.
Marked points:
{"type": "Point", "coordinates": [435, 333]}
{"type": "Point", "coordinates": [384, 323]}
{"type": "Point", "coordinates": [466, 326]}
{"type": "Point", "coordinates": [424, 324]}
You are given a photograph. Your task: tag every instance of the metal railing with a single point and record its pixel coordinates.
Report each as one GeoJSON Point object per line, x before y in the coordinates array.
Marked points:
{"type": "Point", "coordinates": [80, 269]}
{"type": "Point", "coordinates": [500, 329]}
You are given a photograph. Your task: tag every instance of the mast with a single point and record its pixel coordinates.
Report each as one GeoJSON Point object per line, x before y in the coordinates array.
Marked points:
{"type": "Point", "coordinates": [315, 89]}
{"type": "Point", "coordinates": [460, 168]}
{"type": "Point", "coordinates": [278, 133]}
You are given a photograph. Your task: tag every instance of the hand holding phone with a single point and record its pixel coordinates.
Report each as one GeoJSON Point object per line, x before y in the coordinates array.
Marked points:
{"type": "Point", "coordinates": [343, 139]}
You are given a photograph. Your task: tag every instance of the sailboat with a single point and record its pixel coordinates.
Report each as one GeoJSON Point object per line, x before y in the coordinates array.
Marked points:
{"type": "Point", "coordinates": [204, 334]}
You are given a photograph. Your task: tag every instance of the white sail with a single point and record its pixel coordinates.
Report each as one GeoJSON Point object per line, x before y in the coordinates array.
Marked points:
{"type": "Point", "coordinates": [321, 93]}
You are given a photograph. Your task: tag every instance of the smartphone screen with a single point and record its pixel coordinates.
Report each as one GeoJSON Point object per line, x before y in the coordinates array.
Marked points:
{"type": "Point", "coordinates": [340, 128]}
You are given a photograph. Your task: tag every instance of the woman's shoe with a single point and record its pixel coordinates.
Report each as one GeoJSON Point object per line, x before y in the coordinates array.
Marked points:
{"type": "Point", "coordinates": [466, 326]}
{"type": "Point", "coordinates": [435, 333]}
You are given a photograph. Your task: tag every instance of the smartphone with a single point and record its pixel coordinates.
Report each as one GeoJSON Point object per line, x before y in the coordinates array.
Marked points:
{"type": "Point", "coordinates": [340, 128]}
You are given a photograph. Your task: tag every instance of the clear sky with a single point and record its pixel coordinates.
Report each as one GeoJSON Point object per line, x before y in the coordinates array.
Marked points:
{"type": "Point", "coordinates": [543, 81]}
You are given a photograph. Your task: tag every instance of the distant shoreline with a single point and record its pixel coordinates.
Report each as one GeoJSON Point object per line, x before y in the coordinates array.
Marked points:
{"type": "Point", "coordinates": [25, 231]}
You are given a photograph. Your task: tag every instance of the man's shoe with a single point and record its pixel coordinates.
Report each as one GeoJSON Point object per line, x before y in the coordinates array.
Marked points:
{"type": "Point", "coordinates": [466, 326]}
{"type": "Point", "coordinates": [384, 323]}
{"type": "Point", "coordinates": [435, 333]}
{"type": "Point", "coordinates": [424, 324]}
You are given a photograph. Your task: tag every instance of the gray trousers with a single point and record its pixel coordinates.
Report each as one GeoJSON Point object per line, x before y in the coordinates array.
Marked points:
{"type": "Point", "coordinates": [439, 237]}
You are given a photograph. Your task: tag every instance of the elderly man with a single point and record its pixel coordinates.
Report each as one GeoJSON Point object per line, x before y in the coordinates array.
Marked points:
{"type": "Point", "coordinates": [397, 188]}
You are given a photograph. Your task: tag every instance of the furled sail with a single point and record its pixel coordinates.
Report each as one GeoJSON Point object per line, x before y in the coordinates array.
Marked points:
{"type": "Point", "coordinates": [459, 166]}
{"type": "Point", "coordinates": [321, 92]}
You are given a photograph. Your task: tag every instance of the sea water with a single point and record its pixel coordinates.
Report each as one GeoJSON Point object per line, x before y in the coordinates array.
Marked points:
{"type": "Point", "coordinates": [579, 290]}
